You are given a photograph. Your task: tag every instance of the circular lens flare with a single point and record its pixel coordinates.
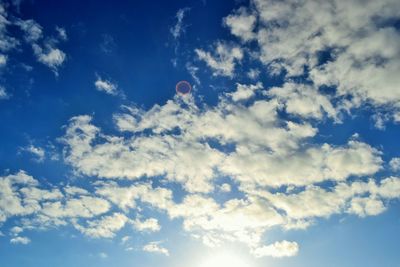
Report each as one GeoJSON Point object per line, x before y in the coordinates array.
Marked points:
{"type": "Point", "coordinates": [183, 88]}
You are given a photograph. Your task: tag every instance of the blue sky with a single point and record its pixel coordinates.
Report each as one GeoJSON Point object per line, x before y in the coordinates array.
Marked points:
{"type": "Point", "coordinates": [285, 153]}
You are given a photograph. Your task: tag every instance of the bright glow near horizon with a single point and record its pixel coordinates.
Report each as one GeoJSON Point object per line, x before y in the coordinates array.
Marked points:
{"type": "Point", "coordinates": [224, 259]}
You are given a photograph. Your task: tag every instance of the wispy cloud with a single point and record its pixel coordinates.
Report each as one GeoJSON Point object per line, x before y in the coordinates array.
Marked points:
{"type": "Point", "coordinates": [179, 28]}
{"type": "Point", "coordinates": [106, 86]}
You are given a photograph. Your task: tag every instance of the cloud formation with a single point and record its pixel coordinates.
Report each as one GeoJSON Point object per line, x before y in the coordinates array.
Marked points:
{"type": "Point", "coordinates": [223, 60]}
{"type": "Point", "coordinates": [348, 45]}
{"type": "Point", "coordinates": [178, 158]}
{"type": "Point", "coordinates": [106, 86]}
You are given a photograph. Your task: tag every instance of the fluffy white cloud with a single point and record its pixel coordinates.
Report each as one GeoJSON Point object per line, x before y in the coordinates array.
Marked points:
{"type": "Point", "coordinates": [20, 240]}
{"type": "Point", "coordinates": [81, 206]}
{"type": "Point", "coordinates": [244, 92]}
{"type": "Point", "coordinates": [315, 164]}
{"type": "Point", "coordinates": [150, 225]}
{"type": "Point", "coordinates": [351, 46]}
{"type": "Point", "coordinates": [223, 60]}
{"type": "Point", "coordinates": [106, 86]}
{"type": "Point", "coordinates": [49, 56]}
{"type": "Point", "coordinates": [241, 24]}
{"type": "Point", "coordinates": [277, 250]}
{"type": "Point", "coordinates": [155, 247]}
{"type": "Point", "coordinates": [303, 100]}
{"type": "Point", "coordinates": [44, 49]}
{"type": "Point", "coordinates": [395, 164]}
{"type": "Point", "coordinates": [360, 198]}
{"type": "Point", "coordinates": [104, 227]}
{"type": "Point", "coordinates": [12, 201]}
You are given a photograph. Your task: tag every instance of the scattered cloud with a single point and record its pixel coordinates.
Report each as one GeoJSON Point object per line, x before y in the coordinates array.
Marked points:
{"type": "Point", "coordinates": [106, 86]}
{"type": "Point", "coordinates": [20, 240]}
{"type": "Point", "coordinates": [62, 33]}
{"type": "Point", "coordinates": [38, 152]}
{"type": "Point", "coordinates": [49, 56]}
{"type": "Point", "coordinates": [265, 140]}
{"type": "Point", "coordinates": [244, 92]}
{"type": "Point", "coordinates": [241, 24]}
{"type": "Point", "coordinates": [253, 74]}
{"type": "Point", "coordinates": [179, 28]}
{"type": "Point", "coordinates": [104, 227]}
{"type": "Point", "coordinates": [277, 250]}
{"type": "Point", "coordinates": [357, 72]}
{"type": "Point", "coordinates": [150, 225]}
{"type": "Point", "coordinates": [32, 30]}
{"type": "Point", "coordinates": [3, 93]}
{"type": "Point", "coordinates": [395, 164]}
{"type": "Point", "coordinates": [223, 60]}
{"type": "Point", "coordinates": [155, 247]}
{"type": "Point", "coordinates": [3, 60]}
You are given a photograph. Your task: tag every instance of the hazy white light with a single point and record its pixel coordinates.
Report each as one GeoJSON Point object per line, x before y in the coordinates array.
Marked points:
{"type": "Point", "coordinates": [224, 259]}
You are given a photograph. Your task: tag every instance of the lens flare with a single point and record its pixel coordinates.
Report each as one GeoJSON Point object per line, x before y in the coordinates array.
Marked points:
{"type": "Point", "coordinates": [183, 88]}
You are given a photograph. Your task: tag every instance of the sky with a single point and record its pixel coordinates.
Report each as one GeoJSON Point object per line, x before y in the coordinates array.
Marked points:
{"type": "Point", "coordinates": [285, 151]}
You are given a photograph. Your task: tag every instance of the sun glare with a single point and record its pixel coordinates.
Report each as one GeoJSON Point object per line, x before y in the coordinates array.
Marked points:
{"type": "Point", "coordinates": [224, 259]}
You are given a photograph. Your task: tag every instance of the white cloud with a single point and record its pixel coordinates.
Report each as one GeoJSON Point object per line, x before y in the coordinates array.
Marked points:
{"type": "Point", "coordinates": [62, 33]}
{"type": "Point", "coordinates": [225, 187]}
{"type": "Point", "coordinates": [150, 225]}
{"type": "Point", "coordinates": [12, 201]}
{"type": "Point", "coordinates": [366, 206]}
{"type": "Point", "coordinates": [3, 93]}
{"type": "Point", "coordinates": [304, 101]}
{"type": "Point", "coordinates": [193, 72]}
{"type": "Point", "coordinates": [49, 56]}
{"type": "Point", "coordinates": [33, 31]}
{"type": "Point", "coordinates": [16, 230]}
{"type": "Point", "coordinates": [315, 164]}
{"type": "Point", "coordinates": [253, 74]}
{"type": "Point", "coordinates": [277, 250]}
{"type": "Point", "coordinates": [359, 39]}
{"type": "Point", "coordinates": [360, 198]}
{"type": "Point", "coordinates": [81, 206]}
{"type": "Point", "coordinates": [37, 152]}
{"type": "Point", "coordinates": [179, 28]}
{"type": "Point", "coordinates": [7, 42]}
{"type": "Point", "coordinates": [223, 60]}
{"type": "Point", "coordinates": [20, 240]}
{"type": "Point", "coordinates": [244, 92]}
{"type": "Point", "coordinates": [3, 60]}
{"type": "Point", "coordinates": [106, 86]}
{"type": "Point", "coordinates": [395, 164]}
{"type": "Point", "coordinates": [105, 227]}
{"type": "Point", "coordinates": [155, 247]}
{"type": "Point", "coordinates": [241, 24]}
{"type": "Point", "coordinates": [275, 161]}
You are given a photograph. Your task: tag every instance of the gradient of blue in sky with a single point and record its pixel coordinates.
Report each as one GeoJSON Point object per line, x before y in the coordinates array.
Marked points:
{"type": "Point", "coordinates": [285, 153]}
